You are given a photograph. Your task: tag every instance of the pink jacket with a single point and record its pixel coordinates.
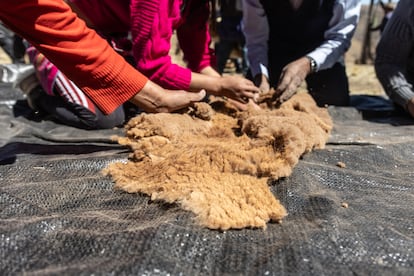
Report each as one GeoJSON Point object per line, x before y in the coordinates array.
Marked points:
{"type": "Point", "coordinates": [152, 23]}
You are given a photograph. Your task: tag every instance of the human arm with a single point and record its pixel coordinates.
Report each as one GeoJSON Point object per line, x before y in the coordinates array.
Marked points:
{"type": "Point", "coordinates": [154, 99]}
{"type": "Point", "coordinates": [394, 68]}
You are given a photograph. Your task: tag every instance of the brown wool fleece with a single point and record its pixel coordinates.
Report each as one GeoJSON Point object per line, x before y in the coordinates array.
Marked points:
{"type": "Point", "coordinates": [218, 167]}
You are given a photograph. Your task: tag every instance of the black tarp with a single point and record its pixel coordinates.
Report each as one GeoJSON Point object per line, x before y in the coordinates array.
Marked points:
{"type": "Point", "coordinates": [60, 216]}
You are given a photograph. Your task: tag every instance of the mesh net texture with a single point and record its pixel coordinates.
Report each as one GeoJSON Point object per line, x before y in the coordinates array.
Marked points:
{"type": "Point", "coordinates": [60, 215]}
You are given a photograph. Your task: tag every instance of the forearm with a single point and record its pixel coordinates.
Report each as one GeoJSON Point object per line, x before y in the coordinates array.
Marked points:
{"type": "Point", "coordinates": [211, 83]}
{"type": "Point", "coordinates": [210, 71]}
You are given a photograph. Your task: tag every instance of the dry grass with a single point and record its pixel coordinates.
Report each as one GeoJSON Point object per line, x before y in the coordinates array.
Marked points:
{"type": "Point", "coordinates": [4, 58]}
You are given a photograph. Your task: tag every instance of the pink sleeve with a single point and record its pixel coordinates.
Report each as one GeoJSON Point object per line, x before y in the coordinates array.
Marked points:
{"type": "Point", "coordinates": [194, 36]}
{"type": "Point", "coordinates": [151, 29]}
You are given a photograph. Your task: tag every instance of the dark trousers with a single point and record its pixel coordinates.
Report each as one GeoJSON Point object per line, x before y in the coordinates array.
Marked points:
{"type": "Point", "coordinates": [230, 37]}
{"type": "Point", "coordinates": [77, 115]}
{"type": "Point", "coordinates": [223, 50]}
{"type": "Point", "coordinates": [330, 86]}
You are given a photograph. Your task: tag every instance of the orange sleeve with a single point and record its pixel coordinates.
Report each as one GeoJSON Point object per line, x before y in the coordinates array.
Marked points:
{"type": "Point", "coordinates": [79, 52]}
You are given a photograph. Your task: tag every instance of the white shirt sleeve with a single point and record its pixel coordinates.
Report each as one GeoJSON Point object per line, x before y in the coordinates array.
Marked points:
{"type": "Point", "coordinates": [256, 31]}
{"type": "Point", "coordinates": [338, 37]}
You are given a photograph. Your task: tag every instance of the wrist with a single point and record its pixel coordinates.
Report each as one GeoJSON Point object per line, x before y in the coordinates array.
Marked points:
{"type": "Point", "coordinates": [220, 85]}
{"type": "Point", "coordinates": [209, 83]}
{"type": "Point", "coordinates": [214, 85]}
{"type": "Point", "coordinates": [312, 64]}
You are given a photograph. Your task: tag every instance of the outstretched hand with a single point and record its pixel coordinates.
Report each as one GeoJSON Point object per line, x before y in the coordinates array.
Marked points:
{"type": "Point", "coordinates": [154, 99]}
{"type": "Point", "coordinates": [238, 88]}
{"type": "Point", "coordinates": [291, 78]}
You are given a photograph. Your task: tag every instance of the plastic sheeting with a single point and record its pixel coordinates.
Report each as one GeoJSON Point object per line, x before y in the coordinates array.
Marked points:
{"type": "Point", "coordinates": [60, 215]}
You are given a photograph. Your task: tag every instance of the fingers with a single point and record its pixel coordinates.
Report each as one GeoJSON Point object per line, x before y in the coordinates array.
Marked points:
{"type": "Point", "coordinates": [264, 88]}
{"type": "Point", "coordinates": [238, 104]}
{"type": "Point", "coordinates": [249, 95]}
{"type": "Point", "coordinates": [196, 96]}
{"type": "Point", "coordinates": [286, 95]}
{"type": "Point", "coordinates": [241, 83]}
{"type": "Point", "coordinates": [283, 82]}
{"type": "Point", "coordinates": [247, 86]}
{"type": "Point", "coordinates": [289, 84]}
{"type": "Point", "coordinates": [154, 99]}
{"type": "Point", "coordinates": [239, 89]}
{"type": "Point", "coordinates": [175, 100]}
{"type": "Point", "coordinates": [250, 91]}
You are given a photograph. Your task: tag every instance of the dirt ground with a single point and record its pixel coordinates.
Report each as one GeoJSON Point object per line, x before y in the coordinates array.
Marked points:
{"type": "Point", "coordinates": [362, 79]}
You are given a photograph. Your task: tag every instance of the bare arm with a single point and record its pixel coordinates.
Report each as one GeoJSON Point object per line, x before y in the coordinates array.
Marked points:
{"type": "Point", "coordinates": [152, 98]}
{"type": "Point", "coordinates": [233, 87]}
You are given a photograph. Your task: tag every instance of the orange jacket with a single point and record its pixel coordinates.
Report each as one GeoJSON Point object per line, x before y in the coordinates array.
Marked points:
{"type": "Point", "coordinates": [80, 53]}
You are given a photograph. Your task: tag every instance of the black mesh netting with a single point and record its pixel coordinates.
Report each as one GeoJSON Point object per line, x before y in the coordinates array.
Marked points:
{"type": "Point", "coordinates": [60, 215]}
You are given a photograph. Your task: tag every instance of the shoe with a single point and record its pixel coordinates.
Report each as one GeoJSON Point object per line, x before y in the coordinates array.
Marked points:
{"type": "Point", "coordinates": [33, 98]}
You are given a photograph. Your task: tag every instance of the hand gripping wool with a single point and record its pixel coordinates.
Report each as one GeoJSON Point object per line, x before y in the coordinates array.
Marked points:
{"type": "Point", "coordinates": [217, 162]}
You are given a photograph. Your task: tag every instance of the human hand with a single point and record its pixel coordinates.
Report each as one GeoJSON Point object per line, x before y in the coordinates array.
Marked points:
{"type": "Point", "coordinates": [262, 82]}
{"type": "Point", "coordinates": [155, 99]}
{"type": "Point", "coordinates": [291, 78]}
{"type": "Point", "coordinates": [238, 88]}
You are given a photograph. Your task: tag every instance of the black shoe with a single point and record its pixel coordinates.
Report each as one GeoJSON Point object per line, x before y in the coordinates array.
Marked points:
{"type": "Point", "coordinates": [33, 98]}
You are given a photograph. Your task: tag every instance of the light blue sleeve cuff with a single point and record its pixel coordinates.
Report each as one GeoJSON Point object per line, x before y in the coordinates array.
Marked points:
{"type": "Point", "coordinates": [264, 71]}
